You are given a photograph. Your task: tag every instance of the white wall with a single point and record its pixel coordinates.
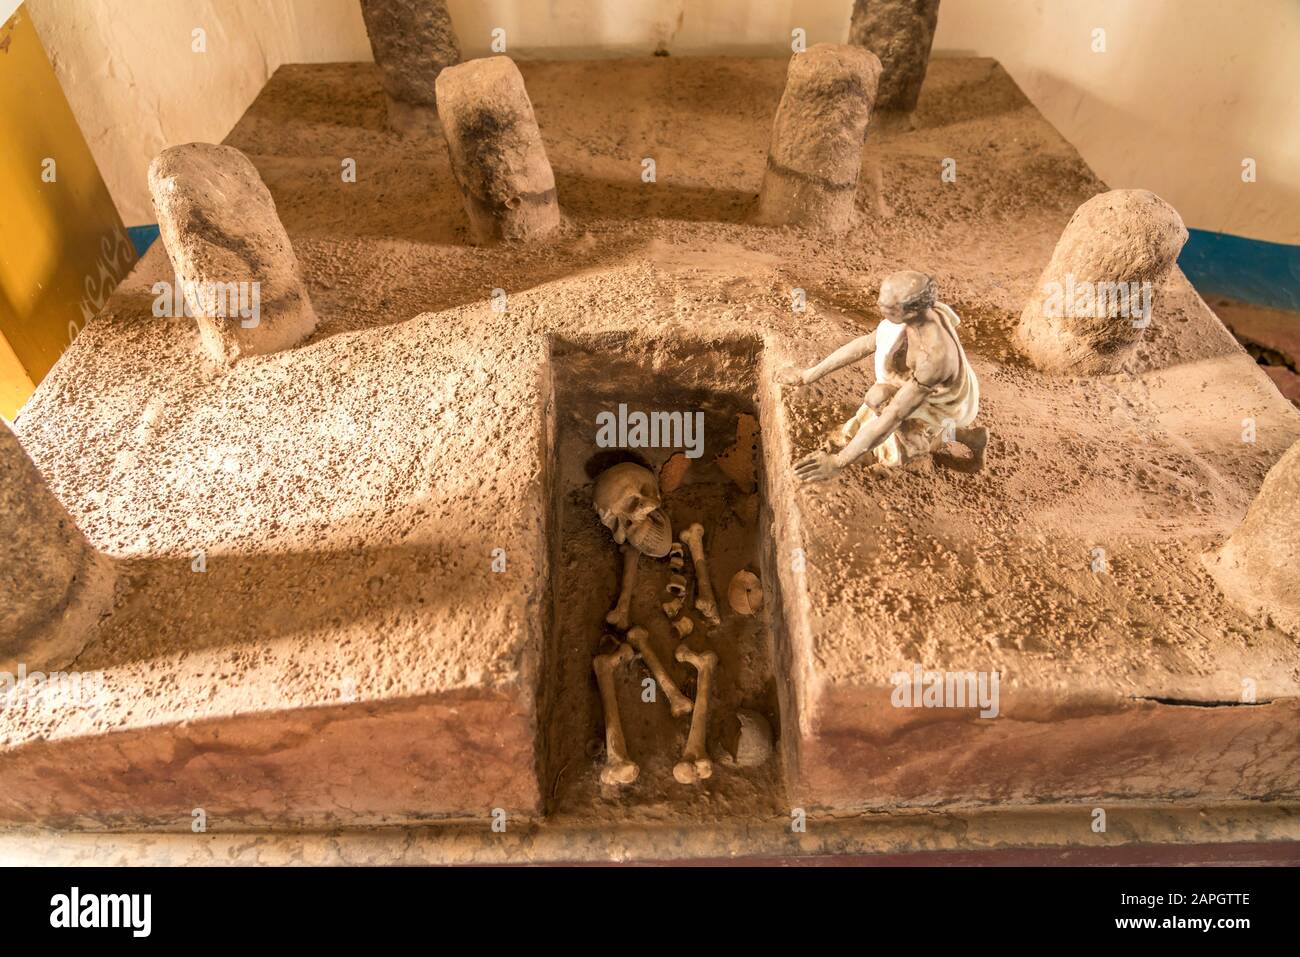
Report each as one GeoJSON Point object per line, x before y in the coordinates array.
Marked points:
{"type": "Point", "coordinates": [593, 28]}
{"type": "Point", "coordinates": [136, 86]}
{"type": "Point", "coordinates": [1185, 90]}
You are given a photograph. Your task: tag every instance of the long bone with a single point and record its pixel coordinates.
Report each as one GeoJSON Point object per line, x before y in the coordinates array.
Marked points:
{"type": "Point", "coordinates": [619, 614]}
{"type": "Point", "coordinates": [695, 765]}
{"type": "Point", "coordinates": [705, 602]}
{"type": "Point", "coordinates": [619, 768]}
{"type": "Point", "coordinates": [678, 703]}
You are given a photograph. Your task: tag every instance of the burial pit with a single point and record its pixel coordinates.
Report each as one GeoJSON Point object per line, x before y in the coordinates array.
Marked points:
{"type": "Point", "coordinates": [685, 408]}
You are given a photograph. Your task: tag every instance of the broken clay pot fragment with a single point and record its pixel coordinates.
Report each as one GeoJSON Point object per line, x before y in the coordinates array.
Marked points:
{"type": "Point", "coordinates": [745, 593]}
{"type": "Point", "coordinates": [747, 743]}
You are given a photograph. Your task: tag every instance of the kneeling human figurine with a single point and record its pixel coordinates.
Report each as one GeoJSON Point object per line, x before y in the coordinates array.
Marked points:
{"type": "Point", "coordinates": [925, 394]}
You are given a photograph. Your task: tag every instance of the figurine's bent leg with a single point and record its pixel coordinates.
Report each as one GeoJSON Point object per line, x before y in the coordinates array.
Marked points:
{"type": "Point", "coordinates": [880, 395]}
{"type": "Point", "coordinates": [842, 436]}
{"type": "Point", "coordinates": [889, 453]}
{"type": "Point", "coordinates": [876, 399]}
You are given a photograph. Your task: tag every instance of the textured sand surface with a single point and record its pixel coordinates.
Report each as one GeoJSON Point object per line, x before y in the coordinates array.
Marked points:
{"type": "Point", "coordinates": [349, 493]}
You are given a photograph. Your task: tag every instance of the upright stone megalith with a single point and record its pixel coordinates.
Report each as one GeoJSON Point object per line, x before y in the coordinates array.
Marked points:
{"type": "Point", "coordinates": [496, 151]}
{"type": "Point", "coordinates": [53, 584]}
{"type": "Point", "coordinates": [1096, 295]}
{"type": "Point", "coordinates": [901, 33]}
{"type": "Point", "coordinates": [1258, 568]}
{"type": "Point", "coordinates": [230, 254]}
{"type": "Point", "coordinates": [413, 41]}
{"type": "Point", "coordinates": [815, 152]}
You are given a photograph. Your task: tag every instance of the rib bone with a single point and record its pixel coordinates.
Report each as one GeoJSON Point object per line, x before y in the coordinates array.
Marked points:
{"type": "Point", "coordinates": [679, 704]}
{"type": "Point", "coordinates": [705, 602]}
{"type": "Point", "coordinates": [695, 765]}
{"type": "Point", "coordinates": [619, 768]}
{"type": "Point", "coordinates": [619, 614]}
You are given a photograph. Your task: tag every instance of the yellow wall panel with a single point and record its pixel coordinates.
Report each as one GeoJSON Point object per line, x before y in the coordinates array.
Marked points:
{"type": "Point", "coordinates": [62, 246]}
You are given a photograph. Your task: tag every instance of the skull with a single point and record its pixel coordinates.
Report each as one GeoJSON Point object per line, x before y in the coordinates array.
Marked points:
{"type": "Point", "coordinates": [628, 503]}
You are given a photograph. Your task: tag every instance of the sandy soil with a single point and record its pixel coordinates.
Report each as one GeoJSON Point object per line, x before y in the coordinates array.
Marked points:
{"type": "Point", "coordinates": [356, 486]}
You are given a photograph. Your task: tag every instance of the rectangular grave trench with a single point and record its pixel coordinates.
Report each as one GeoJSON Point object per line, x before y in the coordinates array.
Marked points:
{"type": "Point", "coordinates": [719, 378]}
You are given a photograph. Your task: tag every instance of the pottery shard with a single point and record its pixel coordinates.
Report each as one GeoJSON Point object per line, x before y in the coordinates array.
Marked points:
{"type": "Point", "coordinates": [739, 461]}
{"type": "Point", "coordinates": [747, 740]}
{"type": "Point", "coordinates": [745, 593]}
{"type": "Point", "coordinates": [815, 151]}
{"type": "Point", "coordinates": [496, 151]}
{"type": "Point", "coordinates": [900, 33]}
{"type": "Point", "coordinates": [48, 571]}
{"type": "Point", "coordinates": [1259, 566]}
{"type": "Point", "coordinates": [673, 472]}
{"type": "Point", "coordinates": [1098, 292]}
{"type": "Point", "coordinates": [413, 41]}
{"type": "Point", "coordinates": [229, 251]}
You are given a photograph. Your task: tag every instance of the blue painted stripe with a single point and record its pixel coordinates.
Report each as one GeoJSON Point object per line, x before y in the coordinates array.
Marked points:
{"type": "Point", "coordinates": [1252, 270]}
{"type": "Point", "coordinates": [142, 237]}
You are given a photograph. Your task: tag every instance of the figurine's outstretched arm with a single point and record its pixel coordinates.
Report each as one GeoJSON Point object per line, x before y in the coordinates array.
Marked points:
{"type": "Point", "coordinates": [847, 354]}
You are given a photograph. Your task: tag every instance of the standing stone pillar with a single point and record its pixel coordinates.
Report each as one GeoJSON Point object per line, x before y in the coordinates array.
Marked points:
{"type": "Point", "coordinates": [1096, 295]}
{"type": "Point", "coordinates": [413, 41]}
{"type": "Point", "coordinates": [496, 151]}
{"type": "Point", "coordinates": [1259, 566]}
{"type": "Point", "coordinates": [815, 152]}
{"type": "Point", "coordinates": [53, 584]}
{"type": "Point", "coordinates": [901, 33]}
{"type": "Point", "coordinates": [229, 252]}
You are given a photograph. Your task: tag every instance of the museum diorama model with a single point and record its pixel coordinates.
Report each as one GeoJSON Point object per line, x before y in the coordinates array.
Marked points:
{"type": "Point", "coordinates": [355, 560]}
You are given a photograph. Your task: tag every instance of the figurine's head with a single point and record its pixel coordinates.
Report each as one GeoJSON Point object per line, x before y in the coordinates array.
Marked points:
{"type": "Point", "coordinates": [905, 296]}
